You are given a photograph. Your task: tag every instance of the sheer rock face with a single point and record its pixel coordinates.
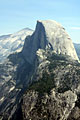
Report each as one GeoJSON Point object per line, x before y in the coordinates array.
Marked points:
{"type": "Point", "coordinates": [49, 35]}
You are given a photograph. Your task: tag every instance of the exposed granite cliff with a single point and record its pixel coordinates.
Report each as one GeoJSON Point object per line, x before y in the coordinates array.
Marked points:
{"type": "Point", "coordinates": [49, 35]}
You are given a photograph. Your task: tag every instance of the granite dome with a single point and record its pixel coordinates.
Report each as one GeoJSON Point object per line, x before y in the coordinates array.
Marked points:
{"type": "Point", "coordinates": [52, 35]}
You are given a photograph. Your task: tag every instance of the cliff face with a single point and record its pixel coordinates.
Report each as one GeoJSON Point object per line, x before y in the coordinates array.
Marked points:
{"type": "Point", "coordinates": [49, 35]}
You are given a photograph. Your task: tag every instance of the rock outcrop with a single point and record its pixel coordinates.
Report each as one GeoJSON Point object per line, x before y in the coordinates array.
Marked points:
{"type": "Point", "coordinates": [55, 106]}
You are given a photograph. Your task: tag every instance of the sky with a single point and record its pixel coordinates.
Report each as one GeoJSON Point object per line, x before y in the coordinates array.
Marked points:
{"type": "Point", "coordinates": [19, 14]}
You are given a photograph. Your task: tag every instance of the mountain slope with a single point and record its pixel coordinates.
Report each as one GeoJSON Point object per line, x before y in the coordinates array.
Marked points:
{"type": "Point", "coordinates": [13, 43]}
{"type": "Point", "coordinates": [77, 47]}
{"type": "Point", "coordinates": [43, 80]}
{"type": "Point", "coordinates": [55, 94]}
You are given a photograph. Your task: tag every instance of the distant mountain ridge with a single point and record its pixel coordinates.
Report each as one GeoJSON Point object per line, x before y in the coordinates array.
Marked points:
{"type": "Point", "coordinates": [13, 42]}
{"type": "Point", "coordinates": [77, 47]}
{"type": "Point", "coordinates": [4, 36]}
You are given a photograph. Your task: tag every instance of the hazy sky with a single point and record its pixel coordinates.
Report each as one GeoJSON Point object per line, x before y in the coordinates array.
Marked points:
{"type": "Point", "coordinates": [18, 14]}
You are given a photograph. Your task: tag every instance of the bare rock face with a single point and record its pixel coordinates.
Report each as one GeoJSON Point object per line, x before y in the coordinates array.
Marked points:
{"type": "Point", "coordinates": [49, 35]}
